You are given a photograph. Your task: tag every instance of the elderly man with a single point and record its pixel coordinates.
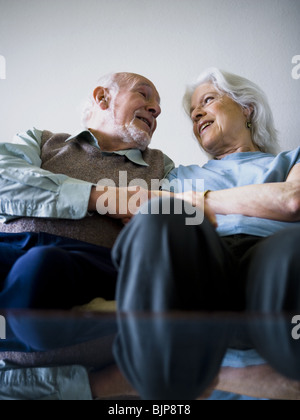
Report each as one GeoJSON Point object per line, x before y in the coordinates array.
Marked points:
{"type": "Point", "coordinates": [55, 249]}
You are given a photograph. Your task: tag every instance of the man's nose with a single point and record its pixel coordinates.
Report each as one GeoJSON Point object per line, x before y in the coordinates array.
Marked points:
{"type": "Point", "coordinates": [154, 108]}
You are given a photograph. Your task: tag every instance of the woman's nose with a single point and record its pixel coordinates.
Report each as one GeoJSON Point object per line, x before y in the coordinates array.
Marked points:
{"type": "Point", "coordinates": [197, 114]}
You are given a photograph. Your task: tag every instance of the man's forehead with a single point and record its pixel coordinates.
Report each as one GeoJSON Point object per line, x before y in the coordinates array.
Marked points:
{"type": "Point", "coordinates": [146, 83]}
{"type": "Point", "coordinates": [141, 81]}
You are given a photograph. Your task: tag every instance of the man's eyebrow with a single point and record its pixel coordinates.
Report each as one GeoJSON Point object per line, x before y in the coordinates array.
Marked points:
{"type": "Point", "coordinates": [144, 84]}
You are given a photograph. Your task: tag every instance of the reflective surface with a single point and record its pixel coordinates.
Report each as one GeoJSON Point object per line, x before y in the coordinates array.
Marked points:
{"type": "Point", "coordinates": [175, 356]}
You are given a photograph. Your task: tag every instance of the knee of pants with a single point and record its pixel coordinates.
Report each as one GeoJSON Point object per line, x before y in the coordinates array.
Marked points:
{"type": "Point", "coordinates": [163, 211]}
{"type": "Point", "coordinates": [160, 220]}
{"type": "Point", "coordinates": [45, 255]}
{"type": "Point", "coordinates": [167, 213]}
{"type": "Point", "coordinates": [273, 284]}
{"type": "Point", "coordinates": [36, 278]}
{"type": "Point", "coordinates": [40, 263]}
{"type": "Point", "coordinates": [176, 209]}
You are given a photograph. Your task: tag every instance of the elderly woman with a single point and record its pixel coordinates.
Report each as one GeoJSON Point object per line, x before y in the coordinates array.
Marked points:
{"type": "Point", "coordinates": [252, 260]}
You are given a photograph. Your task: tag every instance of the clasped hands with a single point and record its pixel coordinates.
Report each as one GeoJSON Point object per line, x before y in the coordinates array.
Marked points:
{"type": "Point", "coordinates": [124, 203]}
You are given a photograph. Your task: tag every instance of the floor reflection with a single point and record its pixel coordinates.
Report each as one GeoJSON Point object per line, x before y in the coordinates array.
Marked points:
{"type": "Point", "coordinates": [163, 357]}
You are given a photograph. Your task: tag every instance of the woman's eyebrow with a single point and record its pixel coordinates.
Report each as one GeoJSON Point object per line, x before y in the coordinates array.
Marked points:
{"type": "Point", "coordinates": [192, 109]}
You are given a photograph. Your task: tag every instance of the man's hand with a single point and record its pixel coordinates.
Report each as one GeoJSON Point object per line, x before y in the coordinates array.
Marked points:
{"type": "Point", "coordinates": [118, 203]}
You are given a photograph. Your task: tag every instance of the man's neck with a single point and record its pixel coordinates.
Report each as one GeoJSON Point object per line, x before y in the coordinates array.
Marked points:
{"type": "Point", "coordinates": [109, 143]}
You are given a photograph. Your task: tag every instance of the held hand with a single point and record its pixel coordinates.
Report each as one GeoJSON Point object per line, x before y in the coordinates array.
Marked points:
{"type": "Point", "coordinates": [118, 203]}
{"type": "Point", "coordinates": [124, 203]}
{"type": "Point", "coordinates": [197, 199]}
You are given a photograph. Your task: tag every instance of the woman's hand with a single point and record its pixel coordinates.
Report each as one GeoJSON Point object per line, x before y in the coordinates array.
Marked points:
{"type": "Point", "coordinates": [195, 199]}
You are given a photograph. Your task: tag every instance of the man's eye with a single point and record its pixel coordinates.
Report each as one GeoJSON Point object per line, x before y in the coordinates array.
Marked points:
{"type": "Point", "coordinates": [143, 94]}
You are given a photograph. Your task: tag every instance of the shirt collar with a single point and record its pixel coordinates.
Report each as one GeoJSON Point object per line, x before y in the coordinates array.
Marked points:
{"type": "Point", "coordinates": [134, 155]}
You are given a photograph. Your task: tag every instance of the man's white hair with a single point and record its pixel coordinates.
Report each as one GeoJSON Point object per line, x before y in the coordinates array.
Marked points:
{"type": "Point", "coordinates": [129, 132]}
{"type": "Point", "coordinates": [247, 94]}
{"type": "Point", "coordinates": [111, 81]}
{"type": "Point", "coordinates": [108, 81]}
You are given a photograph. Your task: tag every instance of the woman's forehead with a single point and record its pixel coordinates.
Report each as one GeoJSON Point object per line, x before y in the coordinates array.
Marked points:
{"type": "Point", "coordinates": [200, 93]}
{"type": "Point", "coordinates": [203, 90]}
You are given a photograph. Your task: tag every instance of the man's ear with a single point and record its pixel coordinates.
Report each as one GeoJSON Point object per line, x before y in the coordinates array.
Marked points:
{"type": "Point", "coordinates": [102, 97]}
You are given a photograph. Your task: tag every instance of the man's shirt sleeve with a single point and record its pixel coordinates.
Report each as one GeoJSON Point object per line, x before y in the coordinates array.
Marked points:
{"type": "Point", "coordinates": [66, 383]}
{"type": "Point", "coordinates": [26, 190]}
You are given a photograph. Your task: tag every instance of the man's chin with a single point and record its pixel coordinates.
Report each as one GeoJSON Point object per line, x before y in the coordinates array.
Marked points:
{"type": "Point", "coordinates": [139, 137]}
{"type": "Point", "coordinates": [142, 144]}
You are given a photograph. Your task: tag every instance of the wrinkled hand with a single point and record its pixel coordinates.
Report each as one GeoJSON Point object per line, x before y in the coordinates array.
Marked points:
{"type": "Point", "coordinates": [197, 199]}
{"type": "Point", "coordinates": [118, 203]}
{"type": "Point", "coordinates": [124, 203]}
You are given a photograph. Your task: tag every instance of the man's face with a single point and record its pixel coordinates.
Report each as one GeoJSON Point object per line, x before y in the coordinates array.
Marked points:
{"type": "Point", "coordinates": [135, 110]}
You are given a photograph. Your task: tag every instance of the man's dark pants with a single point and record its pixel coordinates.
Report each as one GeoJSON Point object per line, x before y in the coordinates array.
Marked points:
{"type": "Point", "coordinates": [42, 271]}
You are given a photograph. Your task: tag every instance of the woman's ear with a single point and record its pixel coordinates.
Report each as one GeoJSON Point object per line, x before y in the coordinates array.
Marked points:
{"type": "Point", "coordinates": [248, 112]}
{"type": "Point", "coordinates": [101, 97]}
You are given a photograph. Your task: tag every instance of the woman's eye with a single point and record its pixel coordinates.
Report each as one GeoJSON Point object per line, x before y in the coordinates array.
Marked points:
{"type": "Point", "coordinates": [208, 99]}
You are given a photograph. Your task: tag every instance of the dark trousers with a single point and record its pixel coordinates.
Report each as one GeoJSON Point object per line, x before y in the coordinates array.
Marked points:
{"type": "Point", "coordinates": [163, 265]}
{"type": "Point", "coordinates": [42, 271]}
{"type": "Point", "coordinates": [166, 265]}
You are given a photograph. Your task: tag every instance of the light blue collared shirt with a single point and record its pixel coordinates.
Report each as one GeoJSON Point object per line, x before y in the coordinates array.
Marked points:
{"type": "Point", "coordinates": [29, 191]}
{"type": "Point", "coordinates": [134, 155]}
{"type": "Point", "coordinates": [66, 383]}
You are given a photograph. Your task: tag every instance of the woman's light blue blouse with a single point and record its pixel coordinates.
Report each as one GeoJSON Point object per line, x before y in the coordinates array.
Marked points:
{"type": "Point", "coordinates": [237, 170]}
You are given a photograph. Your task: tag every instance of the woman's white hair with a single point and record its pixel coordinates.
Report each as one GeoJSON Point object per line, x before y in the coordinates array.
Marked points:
{"type": "Point", "coordinates": [248, 95]}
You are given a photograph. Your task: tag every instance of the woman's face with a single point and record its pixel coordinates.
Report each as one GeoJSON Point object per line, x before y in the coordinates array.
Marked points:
{"type": "Point", "coordinates": [219, 122]}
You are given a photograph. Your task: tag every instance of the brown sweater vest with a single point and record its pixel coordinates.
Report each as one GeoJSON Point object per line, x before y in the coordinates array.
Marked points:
{"type": "Point", "coordinates": [79, 159]}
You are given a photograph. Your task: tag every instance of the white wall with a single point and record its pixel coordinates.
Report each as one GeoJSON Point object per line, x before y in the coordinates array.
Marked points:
{"type": "Point", "coordinates": [55, 50]}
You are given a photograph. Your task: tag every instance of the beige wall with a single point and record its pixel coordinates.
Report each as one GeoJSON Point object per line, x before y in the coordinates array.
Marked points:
{"type": "Point", "coordinates": [54, 51]}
